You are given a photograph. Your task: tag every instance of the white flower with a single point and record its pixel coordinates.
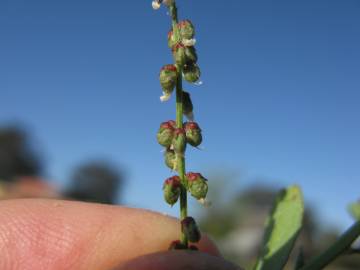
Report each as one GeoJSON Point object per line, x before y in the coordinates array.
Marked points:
{"type": "Point", "coordinates": [165, 97]}
{"type": "Point", "coordinates": [155, 4]}
{"type": "Point", "coordinates": [188, 42]}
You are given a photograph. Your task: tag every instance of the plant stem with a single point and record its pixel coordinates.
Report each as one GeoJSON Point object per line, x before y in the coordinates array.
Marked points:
{"type": "Point", "coordinates": [337, 249]}
{"type": "Point", "coordinates": [179, 124]}
{"type": "Point", "coordinates": [180, 158]}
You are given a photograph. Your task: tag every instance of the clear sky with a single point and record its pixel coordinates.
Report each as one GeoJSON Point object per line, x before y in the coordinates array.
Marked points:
{"type": "Point", "coordinates": [279, 101]}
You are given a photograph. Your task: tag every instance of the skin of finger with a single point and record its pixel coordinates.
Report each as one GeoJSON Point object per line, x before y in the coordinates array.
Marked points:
{"type": "Point", "coordinates": [178, 260]}
{"type": "Point", "coordinates": [54, 234]}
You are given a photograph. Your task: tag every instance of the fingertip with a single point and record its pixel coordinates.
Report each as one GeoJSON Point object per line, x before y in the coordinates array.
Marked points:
{"type": "Point", "coordinates": [178, 260]}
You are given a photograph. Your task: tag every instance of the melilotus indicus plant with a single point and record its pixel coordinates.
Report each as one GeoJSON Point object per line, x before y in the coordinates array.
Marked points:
{"type": "Point", "coordinates": [174, 136]}
{"type": "Point", "coordinates": [285, 220]}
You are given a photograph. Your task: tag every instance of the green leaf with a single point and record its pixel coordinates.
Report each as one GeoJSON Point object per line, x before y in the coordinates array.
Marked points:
{"type": "Point", "coordinates": [354, 210]}
{"type": "Point", "coordinates": [281, 229]}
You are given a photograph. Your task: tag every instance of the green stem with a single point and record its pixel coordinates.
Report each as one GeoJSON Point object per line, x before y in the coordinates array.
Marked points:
{"type": "Point", "coordinates": [337, 249]}
{"type": "Point", "coordinates": [179, 124]}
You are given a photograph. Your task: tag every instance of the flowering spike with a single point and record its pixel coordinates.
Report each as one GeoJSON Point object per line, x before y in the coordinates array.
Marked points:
{"type": "Point", "coordinates": [174, 136]}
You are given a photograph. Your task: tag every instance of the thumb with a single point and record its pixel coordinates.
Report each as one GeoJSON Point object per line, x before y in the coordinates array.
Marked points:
{"type": "Point", "coordinates": [178, 260]}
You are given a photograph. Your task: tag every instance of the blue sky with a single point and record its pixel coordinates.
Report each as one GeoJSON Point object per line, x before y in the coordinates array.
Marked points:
{"type": "Point", "coordinates": [279, 100]}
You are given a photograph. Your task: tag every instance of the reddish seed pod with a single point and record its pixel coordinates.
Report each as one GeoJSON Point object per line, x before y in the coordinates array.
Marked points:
{"type": "Point", "coordinates": [187, 30]}
{"type": "Point", "coordinates": [168, 79]}
{"type": "Point", "coordinates": [165, 134]}
{"type": "Point", "coordinates": [171, 189]}
{"type": "Point", "coordinates": [190, 229]}
{"type": "Point", "coordinates": [179, 141]}
{"type": "Point", "coordinates": [171, 39]}
{"type": "Point", "coordinates": [197, 184]}
{"type": "Point", "coordinates": [193, 133]}
{"type": "Point", "coordinates": [179, 54]}
{"type": "Point", "coordinates": [170, 159]}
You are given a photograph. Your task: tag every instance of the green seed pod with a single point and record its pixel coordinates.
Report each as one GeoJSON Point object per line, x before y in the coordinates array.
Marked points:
{"type": "Point", "coordinates": [179, 54]}
{"type": "Point", "coordinates": [179, 141]}
{"type": "Point", "coordinates": [191, 72]}
{"type": "Point", "coordinates": [187, 106]}
{"type": "Point", "coordinates": [165, 134]}
{"type": "Point", "coordinates": [191, 56]}
{"type": "Point", "coordinates": [168, 78]}
{"type": "Point", "coordinates": [170, 159]}
{"type": "Point", "coordinates": [187, 30]}
{"type": "Point", "coordinates": [197, 185]}
{"type": "Point", "coordinates": [171, 189]}
{"type": "Point", "coordinates": [171, 39]}
{"type": "Point", "coordinates": [190, 229]}
{"type": "Point", "coordinates": [193, 133]}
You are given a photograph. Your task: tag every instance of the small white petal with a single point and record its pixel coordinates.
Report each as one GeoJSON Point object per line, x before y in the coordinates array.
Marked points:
{"type": "Point", "coordinates": [189, 42]}
{"type": "Point", "coordinates": [204, 202]}
{"type": "Point", "coordinates": [165, 97]}
{"type": "Point", "coordinates": [155, 4]}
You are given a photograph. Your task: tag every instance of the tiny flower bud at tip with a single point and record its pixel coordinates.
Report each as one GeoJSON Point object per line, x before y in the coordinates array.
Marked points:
{"type": "Point", "coordinates": [155, 5]}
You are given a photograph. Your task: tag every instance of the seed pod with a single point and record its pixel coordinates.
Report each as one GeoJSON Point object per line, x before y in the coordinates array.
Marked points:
{"type": "Point", "coordinates": [193, 133]}
{"type": "Point", "coordinates": [175, 245]}
{"type": "Point", "coordinates": [197, 185]}
{"type": "Point", "coordinates": [171, 189]}
{"type": "Point", "coordinates": [191, 72]}
{"type": "Point", "coordinates": [187, 106]}
{"type": "Point", "coordinates": [172, 123]}
{"type": "Point", "coordinates": [190, 229]}
{"type": "Point", "coordinates": [191, 56]}
{"type": "Point", "coordinates": [170, 159]}
{"type": "Point", "coordinates": [168, 78]}
{"type": "Point", "coordinates": [179, 54]}
{"type": "Point", "coordinates": [179, 141]}
{"type": "Point", "coordinates": [165, 134]}
{"type": "Point", "coordinates": [187, 30]}
{"type": "Point", "coordinates": [171, 39]}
